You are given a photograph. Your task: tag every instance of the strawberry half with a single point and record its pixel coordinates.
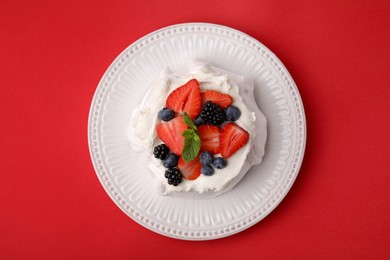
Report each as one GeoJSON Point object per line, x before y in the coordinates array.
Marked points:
{"type": "Point", "coordinates": [191, 169]}
{"type": "Point", "coordinates": [232, 138]}
{"type": "Point", "coordinates": [186, 98]}
{"type": "Point", "coordinates": [223, 100]}
{"type": "Point", "coordinates": [209, 138]}
{"type": "Point", "coordinates": [170, 133]}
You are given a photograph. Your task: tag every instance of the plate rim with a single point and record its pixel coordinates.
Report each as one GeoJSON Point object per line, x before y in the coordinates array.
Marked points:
{"type": "Point", "coordinates": [131, 212]}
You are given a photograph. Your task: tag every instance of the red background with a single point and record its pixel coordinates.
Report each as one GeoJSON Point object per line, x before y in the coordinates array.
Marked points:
{"type": "Point", "coordinates": [52, 56]}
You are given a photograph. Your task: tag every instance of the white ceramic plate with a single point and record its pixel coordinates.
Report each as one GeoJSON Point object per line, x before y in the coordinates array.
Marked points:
{"type": "Point", "coordinates": [123, 173]}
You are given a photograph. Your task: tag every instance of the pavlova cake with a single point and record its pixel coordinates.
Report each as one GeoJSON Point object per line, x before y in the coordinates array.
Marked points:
{"type": "Point", "coordinates": [201, 128]}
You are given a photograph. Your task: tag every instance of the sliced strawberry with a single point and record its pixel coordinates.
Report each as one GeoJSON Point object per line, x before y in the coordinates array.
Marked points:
{"type": "Point", "coordinates": [186, 98]}
{"type": "Point", "coordinates": [223, 100]}
{"type": "Point", "coordinates": [209, 138]}
{"type": "Point", "coordinates": [232, 138]}
{"type": "Point", "coordinates": [170, 133]}
{"type": "Point", "coordinates": [191, 169]}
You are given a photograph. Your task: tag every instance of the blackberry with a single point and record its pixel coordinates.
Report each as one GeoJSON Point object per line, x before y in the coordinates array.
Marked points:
{"type": "Point", "coordinates": [161, 151]}
{"type": "Point", "coordinates": [212, 114]}
{"type": "Point", "coordinates": [174, 176]}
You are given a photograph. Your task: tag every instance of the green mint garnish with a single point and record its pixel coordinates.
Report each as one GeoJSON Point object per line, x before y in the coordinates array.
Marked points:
{"type": "Point", "coordinates": [191, 139]}
{"type": "Point", "coordinates": [188, 121]}
{"type": "Point", "coordinates": [191, 148]}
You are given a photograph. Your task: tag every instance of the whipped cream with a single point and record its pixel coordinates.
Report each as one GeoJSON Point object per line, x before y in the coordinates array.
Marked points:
{"type": "Point", "coordinates": [143, 137]}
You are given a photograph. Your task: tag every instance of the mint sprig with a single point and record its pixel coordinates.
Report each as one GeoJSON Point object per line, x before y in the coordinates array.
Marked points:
{"type": "Point", "coordinates": [191, 139]}
{"type": "Point", "coordinates": [188, 121]}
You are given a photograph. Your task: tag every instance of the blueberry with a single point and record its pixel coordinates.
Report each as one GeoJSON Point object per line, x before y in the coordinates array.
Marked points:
{"type": "Point", "coordinates": [199, 121]}
{"type": "Point", "coordinates": [171, 160]}
{"type": "Point", "coordinates": [206, 158]}
{"type": "Point", "coordinates": [166, 114]}
{"type": "Point", "coordinates": [232, 113]}
{"type": "Point", "coordinates": [219, 163]}
{"type": "Point", "coordinates": [207, 170]}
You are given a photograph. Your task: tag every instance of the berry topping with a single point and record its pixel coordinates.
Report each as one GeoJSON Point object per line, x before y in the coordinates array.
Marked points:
{"type": "Point", "coordinates": [191, 169]}
{"type": "Point", "coordinates": [199, 121]}
{"type": "Point", "coordinates": [207, 170]}
{"type": "Point", "coordinates": [223, 100]}
{"type": "Point", "coordinates": [186, 98]}
{"type": "Point", "coordinates": [206, 158]}
{"type": "Point", "coordinates": [161, 151]}
{"type": "Point", "coordinates": [166, 114]}
{"type": "Point", "coordinates": [231, 139]}
{"type": "Point", "coordinates": [212, 114]}
{"type": "Point", "coordinates": [171, 160]}
{"type": "Point", "coordinates": [209, 138]}
{"type": "Point", "coordinates": [219, 163]}
{"type": "Point", "coordinates": [171, 134]}
{"type": "Point", "coordinates": [174, 176]}
{"type": "Point", "coordinates": [232, 113]}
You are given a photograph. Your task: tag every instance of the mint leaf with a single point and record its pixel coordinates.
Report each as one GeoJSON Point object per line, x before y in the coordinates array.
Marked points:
{"type": "Point", "coordinates": [188, 121]}
{"type": "Point", "coordinates": [191, 139]}
{"type": "Point", "coordinates": [188, 134]}
{"type": "Point", "coordinates": [196, 138]}
{"type": "Point", "coordinates": [191, 148]}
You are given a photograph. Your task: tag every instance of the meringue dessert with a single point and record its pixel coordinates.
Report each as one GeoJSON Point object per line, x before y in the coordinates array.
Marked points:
{"type": "Point", "coordinates": [201, 128]}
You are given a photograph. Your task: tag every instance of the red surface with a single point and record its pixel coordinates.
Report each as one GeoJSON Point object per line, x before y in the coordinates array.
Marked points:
{"type": "Point", "coordinates": [52, 56]}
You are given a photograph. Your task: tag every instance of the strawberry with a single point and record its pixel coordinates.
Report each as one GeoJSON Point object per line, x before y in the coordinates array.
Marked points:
{"type": "Point", "coordinates": [186, 98]}
{"type": "Point", "coordinates": [170, 133]}
{"type": "Point", "coordinates": [209, 138]}
{"type": "Point", "coordinates": [223, 100]}
{"type": "Point", "coordinates": [191, 169]}
{"type": "Point", "coordinates": [231, 139]}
